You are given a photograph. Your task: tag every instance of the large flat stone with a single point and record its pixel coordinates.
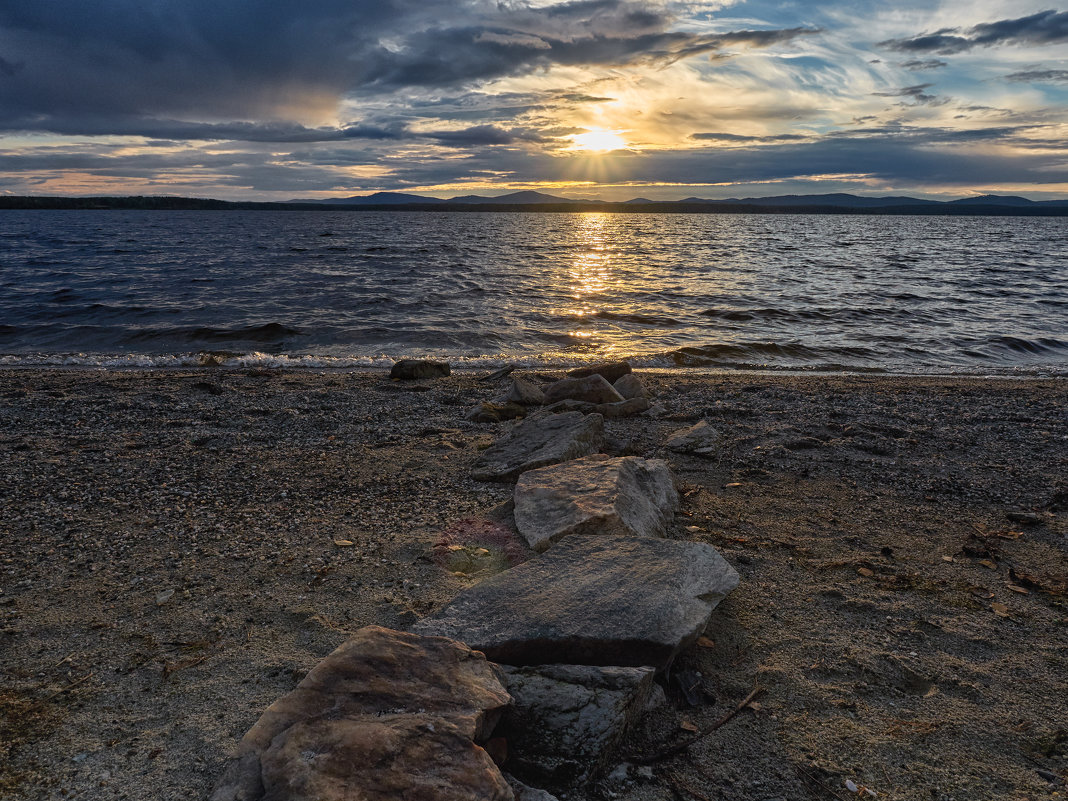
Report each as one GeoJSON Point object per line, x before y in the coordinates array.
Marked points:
{"type": "Point", "coordinates": [567, 721]}
{"type": "Point", "coordinates": [595, 495]}
{"type": "Point", "coordinates": [592, 600]}
{"type": "Point", "coordinates": [538, 442]}
{"type": "Point", "coordinates": [387, 715]}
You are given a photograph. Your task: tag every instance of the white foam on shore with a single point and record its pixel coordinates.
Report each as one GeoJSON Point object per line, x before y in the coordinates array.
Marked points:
{"type": "Point", "coordinates": [662, 361]}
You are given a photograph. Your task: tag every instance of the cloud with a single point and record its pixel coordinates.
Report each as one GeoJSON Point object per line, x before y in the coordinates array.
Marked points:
{"type": "Point", "coordinates": [919, 65]}
{"type": "Point", "coordinates": [1045, 27]}
{"type": "Point", "coordinates": [274, 62]}
{"type": "Point", "coordinates": [916, 93]}
{"type": "Point", "coordinates": [1039, 76]}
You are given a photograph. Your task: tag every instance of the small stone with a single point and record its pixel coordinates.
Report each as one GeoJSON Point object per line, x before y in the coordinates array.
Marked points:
{"type": "Point", "coordinates": [610, 372]}
{"type": "Point", "coordinates": [700, 439]}
{"type": "Point", "coordinates": [593, 389]}
{"type": "Point", "coordinates": [630, 386]}
{"type": "Point", "coordinates": [595, 495]}
{"type": "Point", "coordinates": [412, 369]}
{"type": "Point", "coordinates": [540, 441]}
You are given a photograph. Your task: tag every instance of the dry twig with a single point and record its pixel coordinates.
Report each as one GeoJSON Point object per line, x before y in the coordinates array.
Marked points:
{"type": "Point", "coordinates": [678, 748]}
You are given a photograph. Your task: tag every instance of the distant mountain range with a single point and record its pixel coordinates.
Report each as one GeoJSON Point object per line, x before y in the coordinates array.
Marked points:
{"type": "Point", "coordinates": [401, 198]}
{"type": "Point", "coordinates": [838, 203]}
{"type": "Point", "coordinates": [837, 200]}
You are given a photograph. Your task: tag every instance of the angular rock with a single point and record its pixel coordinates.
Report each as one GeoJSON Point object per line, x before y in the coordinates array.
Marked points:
{"type": "Point", "coordinates": [410, 369]}
{"type": "Point", "coordinates": [540, 441]}
{"type": "Point", "coordinates": [610, 372]}
{"type": "Point", "coordinates": [595, 495]}
{"type": "Point", "coordinates": [387, 715]}
{"type": "Point", "coordinates": [603, 600]}
{"type": "Point", "coordinates": [567, 721]}
{"type": "Point", "coordinates": [525, 393]}
{"type": "Point", "coordinates": [630, 386]}
{"type": "Point", "coordinates": [593, 389]}
{"type": "Point", "coordinates": [700, 439]}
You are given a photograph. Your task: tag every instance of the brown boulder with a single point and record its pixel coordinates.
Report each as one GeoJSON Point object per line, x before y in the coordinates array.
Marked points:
{"type": "Point", "coordinates": [384, 706]}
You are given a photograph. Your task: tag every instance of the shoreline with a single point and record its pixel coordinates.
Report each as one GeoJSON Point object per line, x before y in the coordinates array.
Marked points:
{"type": "Point", "coordinates": [1023, 373]}
{"type": "Point", "coordinates": [171, 566]}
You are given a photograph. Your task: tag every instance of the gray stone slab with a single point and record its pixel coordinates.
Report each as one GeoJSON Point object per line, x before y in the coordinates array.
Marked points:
{"type": "Point", "coordinates": [592, 600]}
{"type": "Point", "coordinates": [538, 442]}
{"type": "Point", "coordinates": [567, 721]}
{"type": "Point", "coordinates": [595, 495]}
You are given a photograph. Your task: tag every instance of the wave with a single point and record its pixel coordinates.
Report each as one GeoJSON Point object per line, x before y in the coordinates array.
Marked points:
{"type": "Point", "coordinates": [719, 354]}
{"type": "Point", "coordinates": [274, 333]}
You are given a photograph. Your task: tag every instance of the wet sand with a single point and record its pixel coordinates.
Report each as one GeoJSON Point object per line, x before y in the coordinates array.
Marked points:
{"type": "Point", "coordinates": [179, 548]}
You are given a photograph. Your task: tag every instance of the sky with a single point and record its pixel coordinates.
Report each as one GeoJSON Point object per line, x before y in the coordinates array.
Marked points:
{"type": "Point", "coordinates": [611, 99]}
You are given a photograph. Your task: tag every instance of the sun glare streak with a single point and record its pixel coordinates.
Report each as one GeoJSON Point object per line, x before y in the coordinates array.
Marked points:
{"type": "Point", "coordinates": [598, 140]}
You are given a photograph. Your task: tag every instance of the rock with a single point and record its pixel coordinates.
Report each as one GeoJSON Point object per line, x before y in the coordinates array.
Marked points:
{"type": "Point", "coordinates": [496, 412]}
{"type": "Point", "coordinates": [595, 495]}
{"type": "Point", "coordinates": [627, 408]}
{"type": "Point", "coordinates": [656, 411]}
{"type": "Point", "coordinates": [497, 375]}
{"type": "Point", "coordinates": [567, 721]}
{"type": "Point", "coordinates": [526, 793]}
{"type": "Point", "coordinates": [387, 715]}
{"type": "Point", "coordinates": [585, 407]}
{"type": "Point", "coordinates": [538, 442]}
{"type": "Point", "coordinates": [525, 393]}
{"type": "Point", "coordinates": [593, 389]}
{"type": "Point", "coordinates": [700, 439]}
{"type": "Point", "coordinates": [604, 600]}
{"type": "Point", "coordinates": [379, 760]}
{"type": "Point", "coordinates": [410, 369]}
{"type": "Point", "coordinates": [630, 386]}
{"type": "Point", "coordinates": [610, 372]}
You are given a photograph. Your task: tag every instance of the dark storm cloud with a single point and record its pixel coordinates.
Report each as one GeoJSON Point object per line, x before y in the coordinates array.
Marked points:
{"type": "Point", "coordinates": [282, 132]}
{"type": "Point", "coordinates": [1045, 27]}
{"type": "Point", "coordinates": [68, 63]}
{"type": "Point", "coordinates": [1039, 76]}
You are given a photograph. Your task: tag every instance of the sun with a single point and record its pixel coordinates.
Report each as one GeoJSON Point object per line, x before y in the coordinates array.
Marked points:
{"type": "Point", "coordinates": [598, 140]}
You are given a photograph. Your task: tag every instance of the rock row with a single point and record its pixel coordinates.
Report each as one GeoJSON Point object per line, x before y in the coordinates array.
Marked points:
{"type": "Point", "coordinates": [579, 632]}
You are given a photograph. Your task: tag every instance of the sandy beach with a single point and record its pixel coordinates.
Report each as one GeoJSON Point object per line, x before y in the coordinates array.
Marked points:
{"type": "Point", "coordinates": [180, 547]}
